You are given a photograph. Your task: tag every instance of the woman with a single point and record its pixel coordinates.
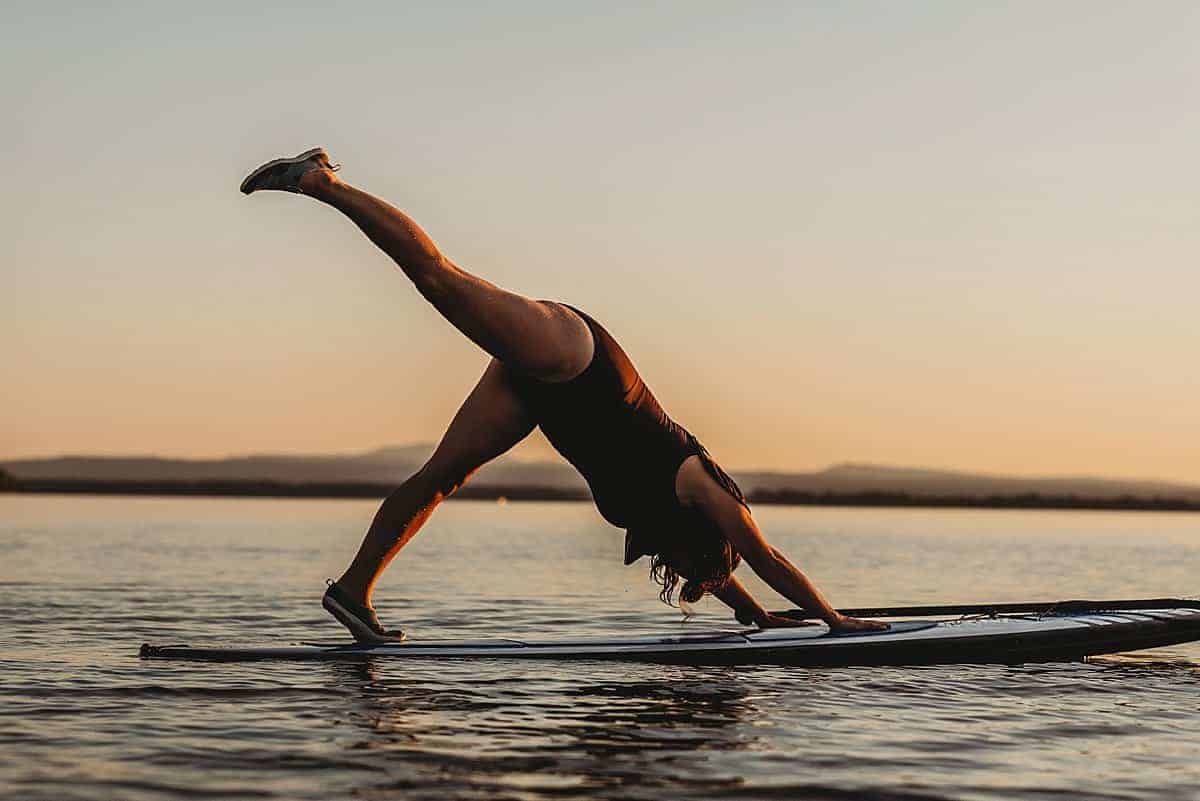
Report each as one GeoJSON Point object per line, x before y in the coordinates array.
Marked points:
{"type": "Point", "coordinates": [556, 368]}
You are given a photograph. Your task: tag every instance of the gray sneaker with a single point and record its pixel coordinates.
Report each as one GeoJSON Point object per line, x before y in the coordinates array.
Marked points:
{"type": "Point", "coordinates": [284, 174]}
{"type": "Point", "coordinates": [360, 619]}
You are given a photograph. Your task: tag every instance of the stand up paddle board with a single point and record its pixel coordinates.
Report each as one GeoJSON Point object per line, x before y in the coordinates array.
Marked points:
{"type": "Point", "coordinates": [999, 634]}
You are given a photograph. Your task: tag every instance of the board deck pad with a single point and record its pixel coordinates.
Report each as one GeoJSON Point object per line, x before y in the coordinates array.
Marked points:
{"type": "Point", "coordinates": [691, 637]}
{"type": "Point", "coordinates": [1000, 639]}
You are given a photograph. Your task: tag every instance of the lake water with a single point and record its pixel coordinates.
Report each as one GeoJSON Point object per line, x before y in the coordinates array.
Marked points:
{"type": "Point", "coordinates": [84, 581]}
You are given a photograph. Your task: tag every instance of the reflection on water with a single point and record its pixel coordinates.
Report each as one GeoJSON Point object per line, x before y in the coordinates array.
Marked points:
{"type": "Point", "coordinates": [85, 580]}
{"type": "Point", "coordinates": [546, 731]}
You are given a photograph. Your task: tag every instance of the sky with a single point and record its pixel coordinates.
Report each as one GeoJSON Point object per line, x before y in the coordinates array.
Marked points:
{"type": "Point", "coordinates": [953, 235]}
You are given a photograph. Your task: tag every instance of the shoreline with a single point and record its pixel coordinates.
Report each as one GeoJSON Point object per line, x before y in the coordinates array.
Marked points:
{"type": "Point", "coordinates": [329, 490]}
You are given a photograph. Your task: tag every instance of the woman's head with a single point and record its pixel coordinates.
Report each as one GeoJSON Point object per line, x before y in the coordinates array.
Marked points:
{"type": "Point", "coordinates": [695, 551]}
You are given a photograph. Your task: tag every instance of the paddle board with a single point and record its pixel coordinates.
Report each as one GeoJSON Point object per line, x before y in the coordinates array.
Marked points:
{"type": "Point", "coordinates": [996, 639]}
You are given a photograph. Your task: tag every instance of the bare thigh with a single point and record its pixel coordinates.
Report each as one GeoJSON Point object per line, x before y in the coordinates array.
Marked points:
{"type": "Point", "coordinates": [490, 421]}
{"type": "Point", "coordinates": [538, 338]}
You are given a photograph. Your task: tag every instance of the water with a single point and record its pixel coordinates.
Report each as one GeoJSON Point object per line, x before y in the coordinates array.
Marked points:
{"type": "Point", "coordinates": [84, 581]}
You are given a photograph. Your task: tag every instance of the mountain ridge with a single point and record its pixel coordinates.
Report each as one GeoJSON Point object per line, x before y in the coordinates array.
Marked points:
{"type": "Point", "coordinates": [392, 464]}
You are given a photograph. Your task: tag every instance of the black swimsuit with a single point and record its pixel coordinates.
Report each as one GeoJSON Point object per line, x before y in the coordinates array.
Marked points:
{"type": "Point", "coordinates": [608, 424]}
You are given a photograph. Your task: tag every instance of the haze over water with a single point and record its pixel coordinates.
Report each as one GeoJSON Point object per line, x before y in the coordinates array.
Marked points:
{"type": "Point", "coordinates": [953, 235]}
{"type": "Point", "coordinates": [87, 580]}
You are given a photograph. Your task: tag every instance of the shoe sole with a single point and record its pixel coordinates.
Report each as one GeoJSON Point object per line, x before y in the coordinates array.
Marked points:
{"type": "Point", "coordinates": [275, 163]}
{"type": "Point", "coordinates": [361, 631]}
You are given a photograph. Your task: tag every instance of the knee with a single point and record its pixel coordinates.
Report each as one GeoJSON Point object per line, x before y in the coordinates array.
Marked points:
{"type": "Point", "coordinates": [433, 279]}
{"type": "Point", "coordinates": [440, 480]}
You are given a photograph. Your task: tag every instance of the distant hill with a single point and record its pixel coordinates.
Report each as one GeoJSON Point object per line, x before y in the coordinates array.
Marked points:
{"type": "Point", "coordinates": [389, 465]}
{"type": "Point", "coordinates": [917, 482]}
{"type": "Point", "coordinates": [392, 464]}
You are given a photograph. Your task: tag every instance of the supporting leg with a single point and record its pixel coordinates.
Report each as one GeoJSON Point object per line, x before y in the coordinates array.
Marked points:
{"type": "Point", "coordinates": [538, 338]}
{"type": "Point", "coordinates": [490, 422]}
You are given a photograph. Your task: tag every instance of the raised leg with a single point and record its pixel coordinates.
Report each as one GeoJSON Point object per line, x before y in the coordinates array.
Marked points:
{"type": "Point", "coordinates": [491, 420]}
{"type": "Point", "coordinates": [539, 338]}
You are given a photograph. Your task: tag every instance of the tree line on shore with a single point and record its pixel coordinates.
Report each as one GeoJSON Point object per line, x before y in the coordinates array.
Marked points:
{"type": "Point", "coordinates": [280, 489]}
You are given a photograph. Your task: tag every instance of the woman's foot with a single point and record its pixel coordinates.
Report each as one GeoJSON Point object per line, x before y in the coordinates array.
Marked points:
{"type": "Point", "coordinates": [299, 174]}
{"type": "Point", "coordinates": [355, 615]}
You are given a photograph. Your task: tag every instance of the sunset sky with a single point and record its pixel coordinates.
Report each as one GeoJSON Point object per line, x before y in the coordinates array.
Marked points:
{"type": "Point", "coordinates": [934, 234]}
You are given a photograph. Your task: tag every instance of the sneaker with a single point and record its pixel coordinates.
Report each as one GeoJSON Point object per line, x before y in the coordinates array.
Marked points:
{"type": "Point", "coordinates": [360, 619]}
{"type": "Point", "coordinates": [284, 174]}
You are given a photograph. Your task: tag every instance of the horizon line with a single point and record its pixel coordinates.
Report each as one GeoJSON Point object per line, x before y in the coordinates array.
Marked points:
{"type": "Point", "coordinates": [959, 472]}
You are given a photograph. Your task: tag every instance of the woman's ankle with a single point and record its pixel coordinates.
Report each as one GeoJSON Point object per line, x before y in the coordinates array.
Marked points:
{"type": "Point", "coordinates": [320, 184]}
{"type": "Point", "coordinates": [355, 589]}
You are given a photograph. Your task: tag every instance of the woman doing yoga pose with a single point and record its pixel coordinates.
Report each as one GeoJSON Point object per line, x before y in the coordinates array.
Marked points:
{"type": "Point", "coordinates": [555, 368]}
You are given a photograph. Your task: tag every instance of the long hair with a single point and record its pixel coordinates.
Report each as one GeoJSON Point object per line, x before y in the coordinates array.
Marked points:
{"type": "Point", "coordinates": [694, 549]}
{"type": "Point", "coordinates": [700, 575]}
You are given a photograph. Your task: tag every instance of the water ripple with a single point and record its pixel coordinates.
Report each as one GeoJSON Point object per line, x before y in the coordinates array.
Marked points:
{"type": "Point", "coordinates": [82, 717]}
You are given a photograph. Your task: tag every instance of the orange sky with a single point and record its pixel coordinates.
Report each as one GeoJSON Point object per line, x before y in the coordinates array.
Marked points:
{"type": "Point", "coordinates": [923, 235]}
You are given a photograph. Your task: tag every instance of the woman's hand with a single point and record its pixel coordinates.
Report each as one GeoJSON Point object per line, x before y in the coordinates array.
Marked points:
{"type": "Point", "coordinates": [846, 624]}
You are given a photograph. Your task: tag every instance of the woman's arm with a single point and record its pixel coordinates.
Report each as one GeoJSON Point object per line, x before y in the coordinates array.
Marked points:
{"type": "Point", "coordinates": [697, 489]}
{"type": "Point", "coordinates": [747, 610]}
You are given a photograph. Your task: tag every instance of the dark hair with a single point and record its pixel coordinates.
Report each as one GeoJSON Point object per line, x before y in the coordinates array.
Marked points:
{"type": "Point", "coordinates": [693, 548]}
{"type": "Point", "coordinates": [701, 573]}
